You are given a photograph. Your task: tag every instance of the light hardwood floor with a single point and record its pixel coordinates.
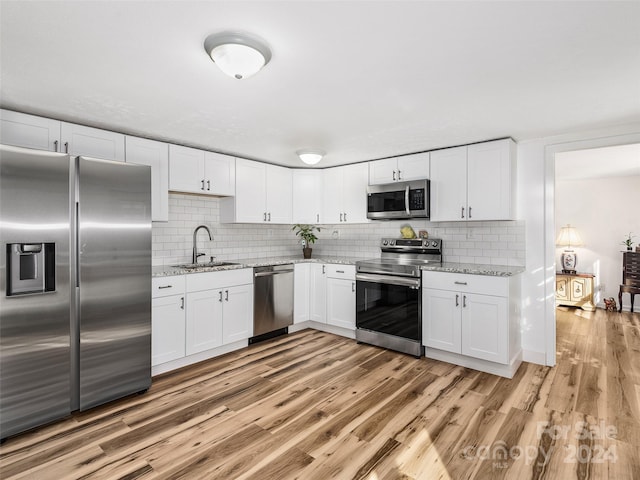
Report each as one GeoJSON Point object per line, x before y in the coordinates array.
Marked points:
{"type": "Point", "coordinates": [317, 406]}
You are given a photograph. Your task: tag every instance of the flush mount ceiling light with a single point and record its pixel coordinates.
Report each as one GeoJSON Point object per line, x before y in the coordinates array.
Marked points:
{"type": "Point", "coordinates": [237, 54]}
{"type": "Point", "coordinates": [310, 157]}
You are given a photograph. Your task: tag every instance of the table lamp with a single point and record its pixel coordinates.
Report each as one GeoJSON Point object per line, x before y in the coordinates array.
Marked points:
{"type": "Point", "coordinates": [569, 238]}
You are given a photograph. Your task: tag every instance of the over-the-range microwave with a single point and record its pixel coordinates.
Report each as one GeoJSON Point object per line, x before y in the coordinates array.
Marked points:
{"type": "Point", "coordinates": [393, 201]}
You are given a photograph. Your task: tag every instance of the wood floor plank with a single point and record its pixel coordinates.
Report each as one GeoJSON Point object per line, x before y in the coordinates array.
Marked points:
{"type": "Point", "coordinates": [314, 405]}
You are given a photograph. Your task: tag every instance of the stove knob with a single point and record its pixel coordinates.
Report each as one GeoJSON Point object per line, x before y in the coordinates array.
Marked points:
{"type": "Point", "coordinates": [392, 242]}
{"type": "Point", "coordinates": [384, 242]}
{"type": "Point", "coordinates": [434, 244]}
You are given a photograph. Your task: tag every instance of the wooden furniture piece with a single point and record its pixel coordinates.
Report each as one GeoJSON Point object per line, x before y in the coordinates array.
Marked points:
{"type": "Point", "coordinates": [575, 290]}
{"type": "Point", "coordinates": [630, 276]}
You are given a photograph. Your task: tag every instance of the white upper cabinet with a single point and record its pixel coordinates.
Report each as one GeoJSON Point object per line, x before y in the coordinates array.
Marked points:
{"type": "Point", "coordinates": [475, 182]}
{"type": "Point", "coordinates": [196, 171]}
{"type": "Point", "coordinates": [156, 155]}
{"type": "Point", "coordinates": [220, 174]}
{"type": "Point", "coordinates": [29, 131]}
{"type": "Point", "coordinates": [399, 169]}
{"type": "Point", "coordinates": [263, 194]}
{"type": "Point", "coordinates": [307, 196]}
{"type": "Point", "coordinates": [345, 194]}
{"type": "Point", "coordinates": [91, 142]}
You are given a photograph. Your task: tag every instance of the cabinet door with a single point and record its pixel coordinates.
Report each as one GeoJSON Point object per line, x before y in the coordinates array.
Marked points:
{"type": "Point", "coordinates": [332, 197]}
{"type": "Point", "coordinates": [250, 206]}
{"type": "Point", "coordinates": [307, 196]}
{"type": "Point", "coordinates": [441, 319]}
{"type": "Point", "coordinates": [562, 288]}
{"type": "Point", "coordinates": [237, 313]}
{"type": "Point", "coordinates": [156, 155]}
{"type": "Point", "coordinates": [383, 171]}
{"type": "Point", "coordinates": [354, 193]}
{"type": "Point", "coordinates": [219, 174]}
{"type": "Point", "coordinates": [186, 169]}
{"type": "Point", "coordinates": [341, 303]}
{"type": "Point", "coordinates": [318, 293]}
{"type": "Point", "coordinates": [167, 329]}
{"type": "Point", "coordinates": [91, 142]}
{"type": "Point", "coordinates": [484, 327]}
{"type": "Point", "coordinates": [29, 131]}
{"type": "Point", "coordinates": [204, 320]}
{"type": "Point", "coordinates": [413, 167]}
{"type": "Point", "coordinates": [301, 290]}
{"type": "Point", "coordinates": [579, 289]}
{"type": "Point", "coordinates": [489, 167]}
{"type": "Point", "coordinates": [449, 184]}
{"type": "Point", "coordinates": [279, 194]}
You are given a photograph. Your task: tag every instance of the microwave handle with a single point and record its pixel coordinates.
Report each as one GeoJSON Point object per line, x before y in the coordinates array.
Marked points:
{"type": "Point", "coordinates": [406, 199]}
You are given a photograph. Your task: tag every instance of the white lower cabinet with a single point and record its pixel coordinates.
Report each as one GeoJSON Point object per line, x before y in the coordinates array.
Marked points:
{"type": "Point", "coordinates": [475, 317]}
{"type": "Point", "coordinates": [301, 290]}
{"type": "Point", "coordinates": [318, 292]}
{"type": "Point", "coordinates": [168, 329]}
{"type": "Point", "coordinates": [199, 312]}
{"type": "Point", "coordinates": [341, 296]}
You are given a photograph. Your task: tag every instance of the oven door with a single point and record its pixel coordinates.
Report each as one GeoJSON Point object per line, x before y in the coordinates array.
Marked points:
{"type": "Point", "coordinates": [389, 304]}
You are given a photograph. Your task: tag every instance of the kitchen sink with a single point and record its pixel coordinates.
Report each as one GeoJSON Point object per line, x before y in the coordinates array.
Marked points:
{"type": "Point", "coordinates": [195, 266]}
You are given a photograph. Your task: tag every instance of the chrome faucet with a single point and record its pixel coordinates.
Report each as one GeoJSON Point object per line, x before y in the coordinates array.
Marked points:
{"type": "Point", "coordinates": [195, 248]}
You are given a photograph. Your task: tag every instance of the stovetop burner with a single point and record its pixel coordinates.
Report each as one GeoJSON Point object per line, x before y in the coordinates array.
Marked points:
{"type": "Point", "coordinates": [404, 257]}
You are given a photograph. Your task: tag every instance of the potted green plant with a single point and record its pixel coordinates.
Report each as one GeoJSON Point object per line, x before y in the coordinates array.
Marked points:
{"type": "Point", "coordinates": [308, 237]}
{"type": "Point", "coordinates": [629, 241]}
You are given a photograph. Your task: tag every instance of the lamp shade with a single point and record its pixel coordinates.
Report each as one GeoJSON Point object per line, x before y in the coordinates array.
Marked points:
{"type": "Point", "coordinates": [310, 157]}
{"type": "Point", "coordinates": [568, 237]}
{"type": "Point", "coordinates": [237, 54]}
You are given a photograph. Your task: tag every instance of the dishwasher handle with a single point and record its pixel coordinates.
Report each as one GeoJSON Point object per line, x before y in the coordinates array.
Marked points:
{"type": "Point", "coordinates": [272, 270]}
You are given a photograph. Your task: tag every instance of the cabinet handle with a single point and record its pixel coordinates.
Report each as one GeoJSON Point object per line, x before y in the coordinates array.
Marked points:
{"type": "Point", "coordinates": [202, 187]}
{"type": "Point", "coordinates": [462, 215]}
{"type": "Point", "coordinates": [264, 217]}
{"type": "Point", "coordinates": [164, 286]}
{"type": "Point", "coordinates": [66, 147]}
{"type": "Point", "coordinates": [220, 299]}
{"type": "Point", "coordinates": [464, 300]}
{"type": "Point", "coordinates": [339, 271]}
{"type": "Point", "coordinates": [345, 216]}
{"type": "Point", "coordinates": [460, 283]}
{"type": "Point", "coordinates": [317, 218]}
{"type": "Point", "coordinates": [269, 216]}
{"type": "Point", "coordinates": [340, 216]}
{"type": "Point", "coordinates": [323, 269]}
{"type": "Point", "coordinates": [226, 295]}
{"type": "Point", "coordinates": [399, 178]}
{"type": "Point", "coordinates": [457, 300]}
{"type": "Point", "coordinates": [182, 303]}
{"type": "Point", "coordinates": [469, 212]}
{"type": "Point", "coordinates": [208, 185]}
{"type": "Point", "coordinates": [55, 145]}
{"type": "Point", "coordinates": [394, 175]}
{"type": "Point", "coordinates": [353, 286]}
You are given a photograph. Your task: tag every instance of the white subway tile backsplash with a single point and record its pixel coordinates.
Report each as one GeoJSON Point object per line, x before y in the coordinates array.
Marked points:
{"type": "Point", "coordinates": [497, 243]}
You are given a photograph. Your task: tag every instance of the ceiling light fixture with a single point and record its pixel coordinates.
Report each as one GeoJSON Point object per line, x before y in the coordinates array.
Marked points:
{"type": "Point", "coordinates": [310, 157]}
{"type": "Point", "coordinates": [239, 55]}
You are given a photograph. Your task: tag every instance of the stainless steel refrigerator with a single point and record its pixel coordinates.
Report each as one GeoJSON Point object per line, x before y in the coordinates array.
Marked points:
{"type": "Point", "coordinates": [75, 284]}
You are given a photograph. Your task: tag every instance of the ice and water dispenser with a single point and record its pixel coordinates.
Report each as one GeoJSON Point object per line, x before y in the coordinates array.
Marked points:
{"type": "Point", "coordinates": [30, 268]}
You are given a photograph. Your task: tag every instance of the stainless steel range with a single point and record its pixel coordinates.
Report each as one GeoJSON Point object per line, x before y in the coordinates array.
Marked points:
{"type": "Point", "coordinates": [389, 295]}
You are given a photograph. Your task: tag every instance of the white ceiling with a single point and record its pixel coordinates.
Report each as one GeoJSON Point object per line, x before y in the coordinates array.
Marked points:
{"type": "Point", "coordinates": [618, 161]}
{"type": "Point", "coordinates": [360, 80]}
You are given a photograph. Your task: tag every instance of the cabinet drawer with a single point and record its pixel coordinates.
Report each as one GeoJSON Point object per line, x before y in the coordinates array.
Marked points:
{"type": "Point", "coordinates": [347, 272]}
{"type": "Point", "coordinates": [165, 286]}
{"type": "Point", "coordinates": [482, 284]}
{"type": "Point", "coordinates": [212, 280]}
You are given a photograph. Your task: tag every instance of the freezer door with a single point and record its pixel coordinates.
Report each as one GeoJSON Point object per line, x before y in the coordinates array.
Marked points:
{"type": "Point", "coordinates": [113, 279]}
{"type": "Point", "coordinates": [34, 322]}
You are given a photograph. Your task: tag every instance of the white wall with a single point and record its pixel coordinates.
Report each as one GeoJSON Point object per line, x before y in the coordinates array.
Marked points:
{"type": "Point", "coordinates": [604, 211]}
{"type": "Point", "coordinates": [493, 243]}
{"type": "Point", "coordinates": [536, 174]}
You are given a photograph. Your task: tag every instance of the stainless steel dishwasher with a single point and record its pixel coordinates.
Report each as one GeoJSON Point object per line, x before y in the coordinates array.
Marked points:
{"type": "Point", "coordinates": [272, 301]}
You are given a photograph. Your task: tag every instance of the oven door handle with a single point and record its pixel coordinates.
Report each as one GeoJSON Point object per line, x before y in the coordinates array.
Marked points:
{"type": "Point", "coordinates": [388, 279]}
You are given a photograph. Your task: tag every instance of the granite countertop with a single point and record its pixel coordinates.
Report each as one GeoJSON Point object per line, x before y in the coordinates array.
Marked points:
{"type": "Point", "coordinates": [167, 270]}
{"type": "Point", "coordinates": [474, 269]}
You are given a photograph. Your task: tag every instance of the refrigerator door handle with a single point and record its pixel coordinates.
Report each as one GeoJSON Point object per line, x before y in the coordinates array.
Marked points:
{"type": "Point", "coordinates": [77, 240]}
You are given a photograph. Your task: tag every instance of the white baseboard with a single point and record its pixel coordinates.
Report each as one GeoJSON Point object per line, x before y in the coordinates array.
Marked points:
{"type": "Point", "coordinates": [197, 357]}
{"type": "Point", "coordinates": [533, 356]}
